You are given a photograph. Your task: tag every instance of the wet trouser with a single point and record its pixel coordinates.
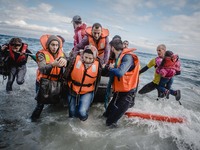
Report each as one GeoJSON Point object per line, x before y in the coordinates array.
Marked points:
{"type": "Point", "coordinates": [119, 104]}
{"type": "Point", "coordinates": [39, 107]}
{"type": "Point", "coordinates": [19, 73]}
{"type": "Point", "coordinates": [165, 85]}
{"type": "Point", "coordinates": [79, 105]}
{"type": "Point", "coordinates": [150, 87]}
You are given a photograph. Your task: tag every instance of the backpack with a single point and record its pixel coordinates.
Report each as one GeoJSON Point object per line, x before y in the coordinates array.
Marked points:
{"type": "Point", "coordinates": [4, 67]}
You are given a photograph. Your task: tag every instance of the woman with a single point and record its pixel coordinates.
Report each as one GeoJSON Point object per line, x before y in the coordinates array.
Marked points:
{"type": "Point", "coordinates": [50, 61]}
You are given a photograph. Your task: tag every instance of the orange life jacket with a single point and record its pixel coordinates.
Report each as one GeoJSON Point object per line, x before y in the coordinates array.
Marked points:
{"type": "Point", "coordinates": [22, 51]}
{"type": "Point", "coordinates": [83, 81]}
{"type": "Point", "coordinates": [130, 79]}
{"type": "Point", "coordinates": [101, 45]}
{"type": "Point", "coordinates": [55, 71]}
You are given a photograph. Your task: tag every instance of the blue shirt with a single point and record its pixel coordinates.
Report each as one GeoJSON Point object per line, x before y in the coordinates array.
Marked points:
{"type": "Point", "coordinates": [127, 64]}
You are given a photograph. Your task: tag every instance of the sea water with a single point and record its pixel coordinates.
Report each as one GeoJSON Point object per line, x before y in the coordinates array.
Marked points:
{"type": "Point", "coordinates": [55, 130]}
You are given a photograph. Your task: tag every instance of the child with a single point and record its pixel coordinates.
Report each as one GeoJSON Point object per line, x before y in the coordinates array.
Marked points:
{"type": "Point", "coordinates": [168, 68]}
{"type": "Point", "coordinates": [82, 83]}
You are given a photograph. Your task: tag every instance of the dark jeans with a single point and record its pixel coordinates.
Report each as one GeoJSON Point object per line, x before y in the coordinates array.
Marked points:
{"type": "Point", "coordinates": [165, 85]}
{"type": "Point", "coordinates": [148, 88]}
{"type": "Point", "coordinates": [19, 73]}
{"type": "Point", "coordinates": [39, 107]}
{"type": "Point", "coordinates": [118, 106]}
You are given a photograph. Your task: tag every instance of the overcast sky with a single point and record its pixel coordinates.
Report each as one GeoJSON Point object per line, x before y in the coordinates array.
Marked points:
{"type": "Point", "coordinates": [144, 23]}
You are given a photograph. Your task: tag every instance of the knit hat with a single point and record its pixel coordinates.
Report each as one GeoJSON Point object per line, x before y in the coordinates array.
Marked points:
{"type": "Point", "coordinates": [77, 19]}
{"type": "Point", "coordinates": [52, 38]}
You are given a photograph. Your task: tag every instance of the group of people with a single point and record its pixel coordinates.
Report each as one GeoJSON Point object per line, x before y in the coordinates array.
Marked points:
{"type": "Point", "coordinates": [92, 56]}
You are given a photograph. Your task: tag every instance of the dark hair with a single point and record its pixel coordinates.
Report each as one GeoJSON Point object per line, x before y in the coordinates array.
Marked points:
{"type": "Point", "coordinates": [125, 41]}
{"type": "Point", "coordinates": [117, 44]}
{"type": "Point", "coordinates": [89, 51]}
{"type": "Point", "coordinates": [96, 26]}
{"type": "Point", "coordinates": [15, 40]}
{"type": "Point", "coordinates": [168, 53]}
{"type": "Point", "coordinates": [116, 37]}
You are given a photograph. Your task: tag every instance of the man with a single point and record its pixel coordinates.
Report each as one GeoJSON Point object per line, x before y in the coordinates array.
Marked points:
{"type": "Point", "coordinates": [125, 44]}
{"type": "Point", "coordinates": [98, 37]}
{"type": "Point", "coordinates": [82, 83]}
{"type": "Point", "coordinates": [126, 73]}
{"type": "Point", "coordinates": [50, 61]}
{"type": "Point", "coordinates": [17, 54]}
{"type": "Point", "coordinates": [161, 49]}
{"type": "Point", "coordinates": [79, 29]}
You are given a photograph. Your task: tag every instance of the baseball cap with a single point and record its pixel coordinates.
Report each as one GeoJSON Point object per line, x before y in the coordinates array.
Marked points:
{"type": "Point", "coordinates": [77, 19]}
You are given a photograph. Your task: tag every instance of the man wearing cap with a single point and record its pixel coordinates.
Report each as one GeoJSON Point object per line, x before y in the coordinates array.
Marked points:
{"type": "Point", "coordinates": [79, 29]}
{"type": "Point", "coordinates": [125, 71]}
{"type": "Point", "coordinates": [17, 53]}
{"type": "Point", "coordinates": [98, 37]}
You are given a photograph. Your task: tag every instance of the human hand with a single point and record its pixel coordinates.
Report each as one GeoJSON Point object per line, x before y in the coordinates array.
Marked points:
{"type": "Point", "coordinates": [62, 62]}
{"type": "Point", "coordinates": [111, 65]}
{"type": "Point", "coordinates": [103, 66]}
{"type": "Point", "coordinates": [4, 47]}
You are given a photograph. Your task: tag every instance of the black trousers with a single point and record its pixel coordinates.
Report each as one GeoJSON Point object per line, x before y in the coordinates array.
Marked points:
{"type": "Point", "coordinates": [18, 73]}
{"type": "Point", "coordinates": [118, 106]}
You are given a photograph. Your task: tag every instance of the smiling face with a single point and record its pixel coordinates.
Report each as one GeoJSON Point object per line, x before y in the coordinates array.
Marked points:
{"type": "Point", "coordinates": [96, 32]}
{"type": "Point", "coordinates": [53, 46]}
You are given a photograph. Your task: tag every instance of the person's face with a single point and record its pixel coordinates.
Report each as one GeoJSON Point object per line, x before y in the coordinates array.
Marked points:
{"type": "Point", "coordinates": [88, 58]}
{"type": "Point", "coordinates": [125, 44]}
{"type": "Point", "coordinates": [16, 47]}
{"type": "Point", "coordinates": [96, 33]}
{"type": "Point", "coordinates": [161, 51]}
{"type": "Point", "coordinates": [53, 47]}
{"type": "Point", "coordinates": [76, 25]}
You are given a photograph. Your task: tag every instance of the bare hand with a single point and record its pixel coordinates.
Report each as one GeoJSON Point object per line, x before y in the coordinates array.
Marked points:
{"type": "Point", "coordinates": [62, 62]}
{"type": "Point", "coordinates": [112, 65]}
{"type": "Point", "coordinates": [4, 47]}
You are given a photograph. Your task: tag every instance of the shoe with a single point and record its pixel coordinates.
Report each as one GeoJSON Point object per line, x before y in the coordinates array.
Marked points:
{"type": "Point", "coordinates": [105, 115]}
{"type": "Point", "coordinates": [8, 91]}
{"type": "Point", "coordinates": [161, 95]}
{"type": "Point", "coordinates": [178, 95]}
{"type": "Point", "coordinates": [167, 94]}
{"type": "Point", "coordinates": [36, 113]}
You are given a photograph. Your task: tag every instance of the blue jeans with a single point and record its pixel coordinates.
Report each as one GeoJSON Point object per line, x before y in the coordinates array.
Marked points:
{"type": "Point", "coordinates": [165, 84]}
{"type": "Point", "coordinates": [79, 105]}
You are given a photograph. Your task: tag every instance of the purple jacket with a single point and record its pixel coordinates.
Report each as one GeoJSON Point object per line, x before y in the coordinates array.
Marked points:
{"type": "Point", "coordinates": [85, 41]}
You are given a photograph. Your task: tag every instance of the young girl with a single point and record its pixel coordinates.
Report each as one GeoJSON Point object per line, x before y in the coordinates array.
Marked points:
{"type": "Point", "coordinates": [168, 68]}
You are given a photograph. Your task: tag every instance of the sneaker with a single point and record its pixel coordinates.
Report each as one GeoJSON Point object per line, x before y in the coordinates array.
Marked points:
{"type": "Point", "coordinates": [178, 95]}
{"type": "Point", "coordinates": [161, 94]}
{"type": "Point", "coordinates": [167, 94]}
